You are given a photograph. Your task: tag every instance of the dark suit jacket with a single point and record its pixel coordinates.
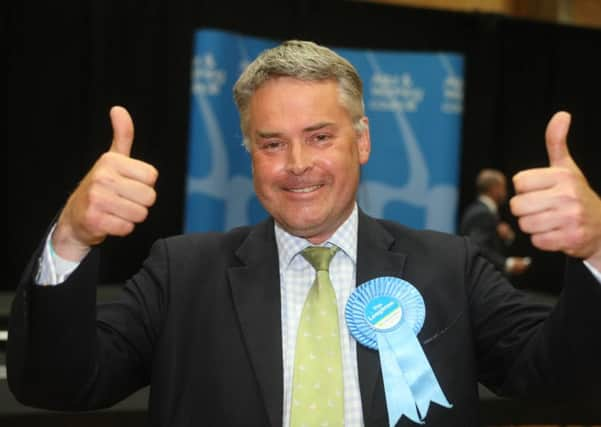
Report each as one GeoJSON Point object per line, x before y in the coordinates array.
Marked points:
{"type": "Point", "coordinates": [480, 225]}
{"type": "Point", "coordinates": [200, 323]}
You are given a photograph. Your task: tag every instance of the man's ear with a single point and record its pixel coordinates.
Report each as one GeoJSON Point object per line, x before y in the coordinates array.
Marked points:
{"type": "Point", "coordinates": [364, 142]}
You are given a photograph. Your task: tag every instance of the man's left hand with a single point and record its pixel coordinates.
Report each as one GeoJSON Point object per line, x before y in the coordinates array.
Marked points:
{"type": "Point", "coordinates": [556, 205]}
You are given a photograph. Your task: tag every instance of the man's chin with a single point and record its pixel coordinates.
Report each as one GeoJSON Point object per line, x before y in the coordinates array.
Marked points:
{"type": "Point", "coordinates": [315, 232]}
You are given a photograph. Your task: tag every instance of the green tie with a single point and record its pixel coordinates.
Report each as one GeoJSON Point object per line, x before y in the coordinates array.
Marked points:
{"type": "Point", "coordinates": [317, 387]}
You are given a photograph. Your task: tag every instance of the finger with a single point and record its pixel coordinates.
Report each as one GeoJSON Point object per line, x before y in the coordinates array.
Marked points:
{"type": "Point", "coordinates": [556, 138]}
{"type": "Point", "coordinates": [532, 202]}
{"type": "Point", "coordinates": [541, 222]}
{"type": "Point", "coordinates": [136, 192]}
{"type": "Point", "coordinates": [129, 211]}
{"type": "Point", "coordinates": [137, 170]}
{"type": "Point", "coordinates": [123, 131]}
{"type": "Point", "coordinates": [540, 179]}
{"type": "Point", "coordinates": [548, 241]}
{"type": "Point", "coordinates": [533, 180]}
{"type": "Point", "coordinates": [116, 226]}
{"type": "Point", "coordinates": [106, 203]}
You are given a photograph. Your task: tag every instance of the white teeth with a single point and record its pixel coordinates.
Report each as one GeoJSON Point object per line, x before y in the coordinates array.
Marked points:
{"type": "Point", "coordinates": [305, 189]}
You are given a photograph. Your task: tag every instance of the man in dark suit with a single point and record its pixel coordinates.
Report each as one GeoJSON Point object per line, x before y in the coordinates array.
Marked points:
{"type": "Point", "coordinates": [210, 319]}
{"type": "Point", "coordinates": [481, 222]}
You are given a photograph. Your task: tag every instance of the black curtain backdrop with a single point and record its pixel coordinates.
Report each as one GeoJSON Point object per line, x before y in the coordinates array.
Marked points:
{"type": "Point", "coordinates": [69, 62]}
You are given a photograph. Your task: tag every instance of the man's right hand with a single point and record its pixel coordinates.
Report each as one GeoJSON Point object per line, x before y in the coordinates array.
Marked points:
{"type": "Point", "coordinates": [518, 265]}
{"type": "Point", "coordinates": [505, 232]}
{"type": "Point", "coordinates": [114, 195]}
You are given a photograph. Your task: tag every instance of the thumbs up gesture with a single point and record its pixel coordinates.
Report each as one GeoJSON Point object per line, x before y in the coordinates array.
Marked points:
{"type": "Point", "coordinates": [556, 205]}
{"type": "Point", "coordinates": [114, 195]}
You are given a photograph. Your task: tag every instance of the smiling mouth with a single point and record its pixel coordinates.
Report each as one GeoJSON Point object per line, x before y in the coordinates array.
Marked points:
{"type": "Point", "coordinates": [305, 189]}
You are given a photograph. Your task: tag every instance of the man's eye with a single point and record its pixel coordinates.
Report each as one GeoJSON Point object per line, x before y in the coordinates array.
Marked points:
{"type": "Point", "coordinates": [321, 137]}
{"type": "Point", "coordinates": [272, 145]}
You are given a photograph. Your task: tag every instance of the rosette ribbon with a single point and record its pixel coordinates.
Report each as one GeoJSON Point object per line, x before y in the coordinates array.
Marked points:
{"type": "Point", "coordinates": [386, 314]}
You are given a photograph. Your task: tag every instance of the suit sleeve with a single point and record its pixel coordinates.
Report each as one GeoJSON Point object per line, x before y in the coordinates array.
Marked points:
{"type": "Point", "coordinates": [66, 353]}
{"type": "Point", "coordinates": [528, 349]}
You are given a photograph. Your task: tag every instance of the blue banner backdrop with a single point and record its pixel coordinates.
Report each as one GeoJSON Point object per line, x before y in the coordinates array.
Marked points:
{"type": "Point", "coordinates": [414, 104]}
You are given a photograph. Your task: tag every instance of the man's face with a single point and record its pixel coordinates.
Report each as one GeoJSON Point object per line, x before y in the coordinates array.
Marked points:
{"type": "Point", "coordinates": [500, 192]}
{"type": "Point", "coordinates": [305, 155]}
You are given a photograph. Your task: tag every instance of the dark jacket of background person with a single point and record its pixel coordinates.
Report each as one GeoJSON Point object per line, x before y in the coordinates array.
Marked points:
{"type": "Point", "coordinates": [480, 224]}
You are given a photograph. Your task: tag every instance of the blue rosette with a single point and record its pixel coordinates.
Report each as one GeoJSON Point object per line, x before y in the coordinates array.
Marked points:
{"type": "Point", "coordinates": [413, 309]}
{"type": "Point", "coordinates": [386, 314]}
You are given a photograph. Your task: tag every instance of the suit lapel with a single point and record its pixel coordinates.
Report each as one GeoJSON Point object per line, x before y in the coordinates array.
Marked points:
{"type": "Point", "coordinates": [375, 258]}
{"type": "Point", "coordinates": [256, 295]}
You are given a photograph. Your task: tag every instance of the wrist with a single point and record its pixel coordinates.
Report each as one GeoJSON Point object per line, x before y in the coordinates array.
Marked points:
{"type": "Point", "coordinates": [63, 245]}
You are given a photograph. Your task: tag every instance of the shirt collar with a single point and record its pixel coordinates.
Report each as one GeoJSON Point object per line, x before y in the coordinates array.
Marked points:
{"type": "Point", "coordinates": [345, 238]}
{"type": "Point", "coordinates": [490, 203]}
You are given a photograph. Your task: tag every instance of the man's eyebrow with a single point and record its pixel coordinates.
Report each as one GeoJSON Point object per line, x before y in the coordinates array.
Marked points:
{"type": "Point", "coordinates": [317, 126]}
{"type": "Point", "coordinates": [262, 134]}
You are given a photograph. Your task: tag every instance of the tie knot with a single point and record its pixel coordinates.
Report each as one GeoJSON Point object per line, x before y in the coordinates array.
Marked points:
{"type": "Point", "coordinates": [319, 257]}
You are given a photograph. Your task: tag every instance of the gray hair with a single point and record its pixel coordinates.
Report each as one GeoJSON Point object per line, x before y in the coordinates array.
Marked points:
{"type": "Point", "coordinates": [303, 60]}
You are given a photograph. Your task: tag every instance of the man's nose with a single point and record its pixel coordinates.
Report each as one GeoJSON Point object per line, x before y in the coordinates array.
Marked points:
{"type": "Point", "coordinates": [299, 158]}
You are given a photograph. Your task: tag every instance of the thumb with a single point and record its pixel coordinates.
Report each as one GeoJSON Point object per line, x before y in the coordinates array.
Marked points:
{"type": "Point", "coordinates": [123, 131]}
{"type": "Point", "coordinates": [556, 138]}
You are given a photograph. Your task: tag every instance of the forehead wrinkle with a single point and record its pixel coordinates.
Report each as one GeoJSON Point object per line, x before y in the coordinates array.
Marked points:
{"type": "Point", "coordinates": [310, 128]}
